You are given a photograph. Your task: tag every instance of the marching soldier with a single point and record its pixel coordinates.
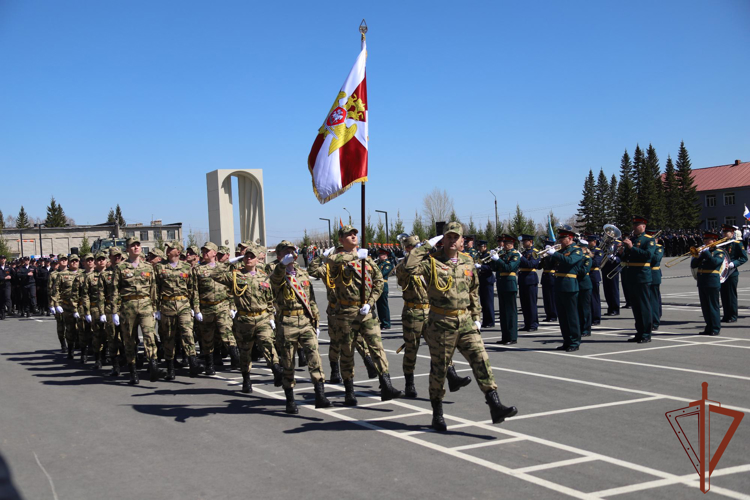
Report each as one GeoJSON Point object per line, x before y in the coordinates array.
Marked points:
{"type": "Point", "coordinates": [596, 278]}
{"type": "Point", "coordinates": [355, 317]}
{"type": "Point", "coordinates": [612, 285]}
{"type": "Point", "coordinates": [709, 263]}
{"type": "Point", "coordinates": [66, 296]}
{"type": "Point", "coordinates": [568, 261]}
{"type": "Point", "coordinates": [453, 320]}
{"type": "Point", "coordinates": [506, 268]}
{"type": "Point", "coordinates": [584, 291]}
{"type": "Point", "coordinates": [85, 327]}
{"type": "Point", "coordinates": [637, 253]}
{"type": "Point", "coordinates": [384, 311]}
{"type": "Point", "coordinates": [114, 331]}
{"type": "Point", "coordinates": [528, 282]}
{"type": "Point", "coordinates": [656, 283]}
{"type": "Point", "coordinates": [486, 286]}
{"type": "Point", "coordinates": [737, 256]}
{"type": "Point", "coordinates": [298, 324]}
{"type": "Point", "coordinates": [548, 286]}
{"type": "Point", "coordinates": [92, 296]}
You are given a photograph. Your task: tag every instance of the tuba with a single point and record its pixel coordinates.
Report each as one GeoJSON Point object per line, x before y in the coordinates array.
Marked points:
{"type": "Point", "coordinates": [609, 243]}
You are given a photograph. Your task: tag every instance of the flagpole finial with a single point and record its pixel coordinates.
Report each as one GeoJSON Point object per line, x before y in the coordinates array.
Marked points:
{"type": "Point", "coordinates": [363, 28]}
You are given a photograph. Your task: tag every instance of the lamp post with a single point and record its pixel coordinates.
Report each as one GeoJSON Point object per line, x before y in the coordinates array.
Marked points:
{"type": "Point", "coordinates": [329, 230]}
{"type": "Point", "coordinates": [350, 216]}
{"type": "Point", "coordinates": [496, 221]}
{"type": "Point", "coordinates": [40, 237]}
{"type": "Point", "coordinates": [387, 239]}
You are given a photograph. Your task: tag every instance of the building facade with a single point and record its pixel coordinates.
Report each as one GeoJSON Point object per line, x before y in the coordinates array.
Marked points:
{"type": "Point", "coordinates": [723, 190]}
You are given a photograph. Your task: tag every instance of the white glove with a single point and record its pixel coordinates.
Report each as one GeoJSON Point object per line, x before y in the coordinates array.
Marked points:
{"type": "Point", "coordinates": [103, 318]}
{"type": "Point", "coordinates": [52, 310]}
{"type": "Point", "coordinates": [88, 318]}
{"type": "Point", "coordinates": [199, 316]}
{"type": "Point", "coordinates": [479, 325]}
{"type": "Point", "coordinates": [232, 313]}
{"type": "Point", "coordinates": [157, 316]}
{"type": "Point", "coordinates": [478, 266]}
{"type": "Point", "coordinates": [273, 325]}
{"type": "Point", "coordinates": [494, 256]}
{"type": "Point", "coordinates": [362, 253]}
{"type": "Point", "coordinates": [116, 319]}
{"type": "Point", "coordinates": [551, 251]}
{"type": "Point", "coordinates": [192, 313]}
{"type": "Point", "coordinates": [287, 259]}
{"type": "Point", "coordinates": [76, 315]}
{"type": "Point", "coordinates": [434, 241]}
{"type": "Point", "coordinates": [329, 251]}
{"type": "Point", "coordinates": [236, 259]}
{"type": "Point", "coordinates": [364, 311]}
{"type": "Point", "coordinates": [59, 310]}
{"type": "Point", "coordinates": [730, 265]}
{"type": "Point", "coordinates": [317, 332]}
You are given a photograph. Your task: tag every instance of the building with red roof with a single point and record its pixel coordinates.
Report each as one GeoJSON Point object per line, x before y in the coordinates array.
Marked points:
{"type": "Point", "coordinates": [723, 190]}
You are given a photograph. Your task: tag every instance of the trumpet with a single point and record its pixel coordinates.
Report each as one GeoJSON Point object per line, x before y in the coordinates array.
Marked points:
{"type": "Point", "coordinates": [543, 253]}
{"type": "Point", "coordinates": [487, 258]}
{"type": "Point", "coordinates": [614, 272]}
{"type": "Point", "coordinates": [695, 252]}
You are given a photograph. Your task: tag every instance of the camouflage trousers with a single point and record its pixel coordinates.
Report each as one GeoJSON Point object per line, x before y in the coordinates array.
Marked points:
{"type": "Point", "coordinates": [413, 321]}
{"type": "Point", "coordinates": [175, 327]}
{"type": "Point", "coordinates": [85, 332]}
{"type": "Point", "coordinates": [444, 334]}
{"type": "Point", "coordinates": [60, 327]}
{"type": "Point", "coordinates": [98, 330]}
{"type": "Point", "coordinates": [134, 313]}
{"type": "Point", "coordinates": [114, 337]}
{"type": "Point", "coordinates": [336, 338]}
{"type": "Point", "coordinates": [296, 330]}
{"type": "Point", "coordinates": [353, 324]}
{"type": "Point", "coordinates": [71, 325]}
{"type": "Point", "coordinates": [215, 327]}
{"type": "Point", "coordinates": [250, 330]}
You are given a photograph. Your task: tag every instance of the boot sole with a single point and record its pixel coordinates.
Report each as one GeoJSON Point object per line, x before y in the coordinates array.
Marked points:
{"type": "Point", "coordinates": [512, 413]}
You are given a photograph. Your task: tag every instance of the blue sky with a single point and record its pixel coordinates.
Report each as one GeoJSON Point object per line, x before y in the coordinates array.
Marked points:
{"type": "Point", "coordinates": [133, 102]}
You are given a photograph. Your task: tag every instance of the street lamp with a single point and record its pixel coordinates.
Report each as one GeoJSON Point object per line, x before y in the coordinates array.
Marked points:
{"type": "Point", "coordinates": [350, 216]}
{"type": "Point", "coordinates": [496, 221]}
{"type": "Point", "coordinates": [40, 225]}
{"type": "Point", "coordinates": [387, 239]}
{"type": "Point", "coordinates": [329, 230]}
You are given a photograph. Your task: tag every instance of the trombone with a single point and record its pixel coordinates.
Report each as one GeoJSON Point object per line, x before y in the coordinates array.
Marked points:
{"type": "Point", "coordinates": [695, 252]}
{"type": "Point", "coordinates": [543, 253]}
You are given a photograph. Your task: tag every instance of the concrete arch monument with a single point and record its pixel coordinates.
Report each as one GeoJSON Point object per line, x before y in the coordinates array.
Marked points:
{"type": "Point", "coordinates": [251, 205]}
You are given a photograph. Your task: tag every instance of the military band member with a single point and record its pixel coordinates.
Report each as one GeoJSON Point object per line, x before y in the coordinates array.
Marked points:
{"type": "Point", "coordinates": [708, 264]}
{"type": "Point", "coordinates": [568, 262]}
{"type": "Point", "coordinates": [636, 256]}
{"type": "Point", "coordinates": [470, 248]}
{"type": "Point", "coordinates": [612, 285]}
{"type": "Point", "coordinates": [584, 290]}
{"type": "Point", "coordinates": [386, 268]}
{"type": "Point", "coordinates": [454, 320]}
{"type": "Point", "coordinates": [528, 284]}
{"type": "Point", "coordinates": [486, 286]}
{"type": "Point", "coordinates": [656, 283]}
{"type": "Point", "coordinates": [595, 275]}
{"type": "Point", "coordinates": [506, 265]}
{"type": "Point", "coordinates": [548, 286]}
{"type": "Point", "coordinates": [737, 256]}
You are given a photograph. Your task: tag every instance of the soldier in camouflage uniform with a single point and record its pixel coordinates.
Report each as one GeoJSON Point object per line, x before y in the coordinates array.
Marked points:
{"type": "Point", "coordinates": [134, 295]}
{"type": "Point", "coordinates": [114, 332]}
{"type": "Point", "coordinates": [177, 295]}
{"type": "Point", "coordinates": [454, 319]}
{"type": "Point", "coordinates": [93, 308]}
{"type": "Point", "coordinates": [298, 324]}
{"type": "Point", "coordinates": [55, 308]}
{"type": "Point", "coordinates": [85, 330]}
{"type": "Point", "coordinates": [414, 316]}
{"type": "Point", "coordinates": [253, 300]}
{"type": "Point", "coordinates": [355, 317]}
{"type": "Point", "coordinates": [66, 294]}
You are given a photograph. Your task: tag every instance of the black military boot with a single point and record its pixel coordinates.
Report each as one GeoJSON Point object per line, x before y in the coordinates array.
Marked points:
{"type": "Point", "coordinates": [438, 422]}
{"type": "Point", "coordinates": [349, 398]}
{"type": "Point", "coordinates": [372, 372]}
{"type": "Point", "coordinates": [63, 347]}
{"type": "Point", "coordinates": [454, 381]}
{"type": "Point", "coordinates": [278, 374]}
{"type": "Point", "coordinates": [321, 401]}
{"type": "Point", "coordinates": [133, 374]}
{"type": "Point", "coordinates": [234, 356]}
{"type": "Point", "coordinates": [154, 371]}
{"type": "Point", "coordinates": [218, 359]}
{"type": "Point", "coordinates": [497, 410]}
{"type": "Point", "coordinates": [335, 373]}
{"type": "Point", "coordinates": [170, 370]}
{"type": "Point", "coordinates": [84, 353]}
{"type": "Point", "coordinates": [194, 367]}
{"type": "Point", "coordinates": [410, 391]}
{"type": "Point", "coordinates": [115, 372]}
{"type": "Point", "coordinates": [302, 357]}
{"type": "Point", "coordinates": [184, 363]}
{"type": "Point", "coordinates": [98, 355]}
{"type": "Point", "coordinates": [291, 406]}
{"type": "Point", "coordinates": [247, 386]}
{"type": "Point", "coordinates": [387, 391]}
{"type": "Point", "coordinates": [70, 350]}
{"type": "Point", "coordinates": [210, 365]}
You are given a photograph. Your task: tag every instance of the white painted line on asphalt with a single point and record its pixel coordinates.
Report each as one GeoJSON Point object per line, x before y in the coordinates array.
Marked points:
{"type": "Point", "coordinates": [486, 443]}
{"type": "Point", "coordinates": [726, 345]}
{"type": "Point", "coordinates": [587, 407]}
{"type": "Point", "coordinates": [393, 417]}
{"type": "Point", "coordinates": [681, 344]}
{"type": "Point", "coordinates": [554, 465]}
{"type": "Point", "coordinates": [49, 478]}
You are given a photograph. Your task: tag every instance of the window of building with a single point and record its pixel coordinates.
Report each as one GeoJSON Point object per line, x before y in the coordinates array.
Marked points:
{"type": "Point", "coordinates": [728, 198]}
{"type": "Point", "coordinates": [711, 224]}
{"type": "Point", "coordinates": [710, 200]}
{"type": "Point", "coordinates": [731, 220]}
{"type": "Point", "coordinates": [171, 234]}
{"type": "Point", "coordinates": [129, 234]}
{"type": "Point", "coordinates": [157, 235]}
{"type": "Point", "coordinates": [144, 235]}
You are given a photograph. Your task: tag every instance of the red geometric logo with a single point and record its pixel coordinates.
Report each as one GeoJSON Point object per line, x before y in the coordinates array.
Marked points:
{"type": "Point", "coordinates": [703, 464]}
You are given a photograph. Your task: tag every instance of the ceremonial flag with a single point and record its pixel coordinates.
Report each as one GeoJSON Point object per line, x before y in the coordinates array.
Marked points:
{"type": "Point", "coordinates": [746, 214]}
{"type": "Point", "coordinates": [341, 223]}
{"type": "Point", "coordinates": [550, 230]}
{"type": "Point", "coordinates": [338, 157]}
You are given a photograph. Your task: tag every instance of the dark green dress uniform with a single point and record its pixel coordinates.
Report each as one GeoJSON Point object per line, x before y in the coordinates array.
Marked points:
{"type": "Point", "coordinates": [656, 287]}
{"type": "Point", "coordinates": [548, 288]}
{"type": "Point", "coordinates": [568, 263]}
{"type": "Point", "coordinates": [708, 264]}
{"type": "Point", "coordinates": [384, 311]}
{"type": "Point", "coordinates": [637, 261]}
{"type": "Point", "coordinates": [506, 269]}
{"type": "Point", "coordinates": [738, 256]}
{"type": "Point", "coordinates": [585, 288]}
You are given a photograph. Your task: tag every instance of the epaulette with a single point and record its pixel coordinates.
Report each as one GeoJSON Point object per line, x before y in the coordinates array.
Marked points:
{"type": "Point", "coordinates": [647, 235]}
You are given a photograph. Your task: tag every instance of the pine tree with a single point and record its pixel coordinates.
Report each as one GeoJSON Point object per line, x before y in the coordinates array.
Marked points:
{"type": "Point", "coordinates": [490, 235]}
{"type": "Point", "coordinates": [160, 242]}
{"type": "Point", "coordinates": [22, 221]}
{"type": "Point", "coordinates": [473, 229]}
{"type": "Point", "coordinates": [4, 248]}
{"type": "Point", "coordinates": [417, 228]}
{"type": "Point", "coordinates": [671, 194]}
{"type": "Point", "coordinates": [306, 242]}
{"type": "Point", "coordinates": [612, 201]}
{"type": "Point", "coordinates": [2, 221]}
{"type": "Point", "coordinates": [602, 198]}
{"type": "Point", "coordinates": [111, 216]}
{"type": "Point", "coordinates": [653, 195]}
{"type": "Point", "coordinates": [55, 215]}
{"type": "Point", "coordinates": [398, 228]}
{"type": "Point", "coordinates": [369, 230]}
{"type": "Point", "coordinates": [85, 246]}
{"type": "Point", "coordinates": [191, 238]}
{"type": "Point", "coordinates": [639, 174]}
{"type": "Point", "coordinates": [626, 193]}
{"type": "Point", "coordinates": [453, 217]}
{"type": "Point", "coordinates": [380, 234]}
{"type": "Point", "coordinates": [119, 218]}
{"type": "Point", "coordinates": [689, 202]}
{"type": "Point", "coordinates": [585, 217]}
{"type": "Point", "coordinates": [519, 224]}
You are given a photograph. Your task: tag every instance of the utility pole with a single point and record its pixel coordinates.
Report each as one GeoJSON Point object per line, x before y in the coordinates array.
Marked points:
{"type": "Point", "coordinates": [496, 219]}
{"type": "Point", "coordinates": [330, 241]}
{"type": "Point", "coordinates": [350, 217]}
{"type": "Point", "coordinates": [387, 239]}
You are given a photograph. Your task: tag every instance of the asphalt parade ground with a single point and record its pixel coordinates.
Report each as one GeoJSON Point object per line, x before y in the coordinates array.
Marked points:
{"type": "Point", "coordinates": [591, 424]}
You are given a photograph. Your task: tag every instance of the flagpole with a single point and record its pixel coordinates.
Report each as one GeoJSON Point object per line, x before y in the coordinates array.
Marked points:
{"type": "Point", "coordinates": [362, 292]}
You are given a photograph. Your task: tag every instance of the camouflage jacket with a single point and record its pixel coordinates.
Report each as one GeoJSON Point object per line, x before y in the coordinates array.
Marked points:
{"type": "Point", "coordinates": [459, 282]}
{"type": "Point", "coordinates": [176, 288]}
{"type": "Point", "coordinates": [345, 273]}
{"type": "Point", "coordinates": [294, 293]}
{"type": "Point", "coordinates": [414, 286]}
{"type": "Point", "coordinates": [92, 294]}
{"type": "Point", "coordinates": [252, 293]}
{"type": "Point", "coordinates": [108, 287]}
{"type": "Point", "coordinates": [212, 295]}
{"type": "Point", "coordinates": [318, 268]}
{"type": "Point", "coordinates": [271, 266]}
{"type": "Point", "coordinates": [67, 290]}
{"type": "Point", "coordinates": [51, 288]}
{"type": "Point", "coordinates": [131, 282]}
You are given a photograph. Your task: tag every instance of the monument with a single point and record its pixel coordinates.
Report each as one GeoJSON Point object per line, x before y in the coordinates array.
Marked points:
{"type": "Point", "coordinates": [251, 205]}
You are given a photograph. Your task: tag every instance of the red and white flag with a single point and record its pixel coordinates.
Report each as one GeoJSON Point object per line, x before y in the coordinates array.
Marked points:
{"type": "Point", "coordinates": [338, 157]}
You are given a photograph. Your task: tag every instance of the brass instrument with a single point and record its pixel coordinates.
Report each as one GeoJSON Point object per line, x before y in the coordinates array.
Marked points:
{"type": "Point", "coordinates": [543, 253]}
{"type": "Point", "coordinates": [486, 259]}
{"type": "Point", "coordinates": [614, 272]}
{"type": "Point", "coordinates": [401, 237]}
{"type": "Point", "coordinates": [609, 244]}
{"type": "Point", "coordinates": [695, 252]}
